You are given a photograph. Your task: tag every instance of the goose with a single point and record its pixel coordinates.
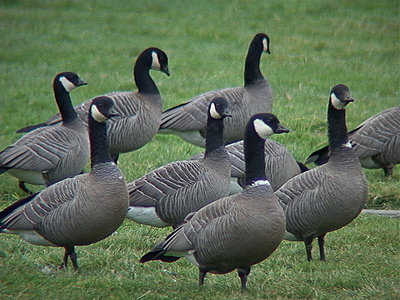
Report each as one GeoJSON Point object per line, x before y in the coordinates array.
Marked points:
{"type": "Point", "coordinates": [330, 196]}
{"type": "Point", "coordinates": [50, 154]}
{"type": "Point", "coordinates": [139, 112]}
{"type": "Point", "coordinates": [376, 142]}
{"type": "Point", "coordinates": [164, 196]}
{"type": "Point", "coordinates": [77, 211]}
{"type": "Point", "coordinates": [237, 231]}
{"type": "Point", "coordinates": [188, 120]}
{"type": "Point", "coordinates": [280, 165]}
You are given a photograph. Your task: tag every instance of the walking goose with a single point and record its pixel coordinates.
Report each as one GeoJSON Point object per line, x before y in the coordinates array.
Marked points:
{"type": "Point", "coordinates": [47, 155]}
{"type": "Point", "coordinates": [234, 232]}
{"type": "Point", "coordinates": [280, 165]}
{"type": "Point", "coordinates": [165, 196]}
{"type": "Point", "coordinates": [139, 112]}
{"type": "Point", "coordinates": [330, 196]}
{"type": "Point", "coordinates": [76, 211]}
{"type": "Point", "coordinates": [376, 142]}
{"type": "Point", "coordinates": [188, 120]}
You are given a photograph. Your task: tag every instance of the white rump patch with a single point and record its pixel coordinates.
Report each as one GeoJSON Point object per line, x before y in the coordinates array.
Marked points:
{"type": "Point", "coordinates": [339, 105]}
{"type": "Point", "coordinates": [145, 215]}
{"type": "Point", "coordinates": [262, 129]}
{"type": "Point", "coordinates": [68, 85]}
{"type": "Point", "coordinates": [265, 44]}
{"type": "Point", "coordinates": [213, 112]}
{"type": "Point", "coordinates": [155, 65]}
{"type": "Point", "coordinates": [97, 115]}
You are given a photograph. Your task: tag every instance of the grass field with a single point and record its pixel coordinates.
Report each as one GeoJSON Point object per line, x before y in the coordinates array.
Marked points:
{"type": "Point", "coordinates": [314, 44]}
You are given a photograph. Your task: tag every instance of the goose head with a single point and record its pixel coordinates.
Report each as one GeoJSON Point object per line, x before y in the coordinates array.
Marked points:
{"type": "Point", "coordinates": [68, 81]}
{"type": "Point", "coordinates": [340, 96]}
{"type": "Point", "coordinates": [159, 60]}
{"type": "Point", "coordinates": [218, 108]}
{"type": "Point", "coordinates": [101, 109]}
{"type": "Point", "coordinates": [266, 124]}
{"type": "Point", "coordinates": [263, 40]}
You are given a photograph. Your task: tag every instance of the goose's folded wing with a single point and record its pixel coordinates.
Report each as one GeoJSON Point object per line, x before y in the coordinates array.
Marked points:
{"type": "Point", "coordinates": [297, 187]}
{"type": "Point", "coordinates": [192, 115]}
{"type": "Point", "coordinates": [212, 218]}
{"type": "Point", "coordinates": [32, 212]}
{"type": "Point", "coordinates": [40, 151]}
{"type": "Point", "coordinates": [169, 179]}
{"type": "Point", "coordinates": [372, 135]}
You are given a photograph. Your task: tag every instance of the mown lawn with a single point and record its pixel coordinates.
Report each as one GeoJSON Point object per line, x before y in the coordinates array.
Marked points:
{"type": "Point", "coordinates": [314, 44]}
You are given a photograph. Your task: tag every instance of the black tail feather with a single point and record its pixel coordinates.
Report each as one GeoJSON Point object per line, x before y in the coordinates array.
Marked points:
{"type": "Point", "coordinates": [31, 128]}
{"type": "Point", "coordinates": [319, 157]}
{"type": "Point", "coordinates": [9, 209]}
{"type": "Point", "coordinates": [158, 255]}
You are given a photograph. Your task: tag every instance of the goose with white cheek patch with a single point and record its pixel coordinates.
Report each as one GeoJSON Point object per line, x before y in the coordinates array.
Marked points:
{"type": "Point", "coordinates": [280, 165]}
{"type": "Point", "coordinates": [165, 196]}
{"type": "Point", "coordinates": [77, 211]}
{"type": "Point", "coordinates": [47, 155]}
{"type": "Point", "coordinates": [234, 232]}
{"type": "Point", "coordinates": [330, 196]}
{"type": "Point", "coordinates": [139, 112]}
{"type": "Point", "coordinates": [189, 120]}
{"type": "Point", "coordinates": [376, 142]}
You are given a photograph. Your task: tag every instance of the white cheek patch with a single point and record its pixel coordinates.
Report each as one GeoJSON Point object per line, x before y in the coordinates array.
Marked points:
{"type": "Point", "coordinates": [339, 105]}
{"type": "Point", "coordinates": [262, 129]}
{"type": "Point", "coordinates": [68, 85]}
{"type": "Point", "coordinates": [214, 113]}
{"type": "Point", "coordinates": [155, 65]}
{"type": "Point", "coordinates": [97, 115]}
{"type": "Point", "coordinates": [265, 45]}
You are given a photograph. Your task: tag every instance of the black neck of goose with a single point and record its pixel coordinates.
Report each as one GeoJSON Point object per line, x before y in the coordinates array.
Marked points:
{"type": "Point", "coordinates": [64, 103]}
{"type": "Point", "coordinates": [337, 130]}
{"type": "Point", "coordinates": [254, 157]}
{"type": "Point", "coordinates": [252, 71]}
{"type": "Point", "coordinates": [98, 142]}
{"type": "Point", "coordinates": [214, 135]}
{"type": "Point", "coordinates": [141, 74]}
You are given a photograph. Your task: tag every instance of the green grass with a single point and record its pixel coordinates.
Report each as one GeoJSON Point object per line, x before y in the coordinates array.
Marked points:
{"type": "Point", "coordinates": [314, 44]}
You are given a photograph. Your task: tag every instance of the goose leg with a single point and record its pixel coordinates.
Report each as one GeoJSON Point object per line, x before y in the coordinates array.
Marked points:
{"type": "Point", "coordinates": [388, 171]}
{"type": "Point", "coordinates": [202, 274]}
{"type": "Point", "coordinates": [70, 252]}
{"type": "Point", "coordinates": [308, 244]}
{"type": "Point", "coordinates": [321, 243]}
{"type": "Point", "coordinates": [22, 186]}
{"type": "Point", "coordinates": [243, 273]}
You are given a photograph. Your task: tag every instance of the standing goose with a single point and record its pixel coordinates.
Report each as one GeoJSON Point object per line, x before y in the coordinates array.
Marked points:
{"type": "Point", "coordinates": [47, 155]}
{"type": "Point", "coordinates": [76, 211]}
{"type": "Point", "coordinates": [165, 196]}
{"type": "Point", "coordinates": [327, 197]}
{"type": "Point", "coordinates": [139, 112]}
{"type": "Point", "coordinates": [280, 165]}
{"type": "Point", "coordinates": [234, 232]}
{"type": "Point", "coordinates": [188, 120]}
{"type": "Point", "coordinates": [376, 142]}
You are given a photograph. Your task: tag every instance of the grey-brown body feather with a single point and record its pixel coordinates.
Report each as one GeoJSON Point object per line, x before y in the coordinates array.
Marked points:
{"type": "Point", "coordinates": [179, 188]}
{"type": "Point", "coordinates": [77, 211]}
{"type": "Point", "coordinates": [243, 103]}
{"type": "Point", "coordinates": [222, 231]}
{"type": "Point", "coordinates": [325, 198]}
{"type": "Point", "coordinates": [56, 152]}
